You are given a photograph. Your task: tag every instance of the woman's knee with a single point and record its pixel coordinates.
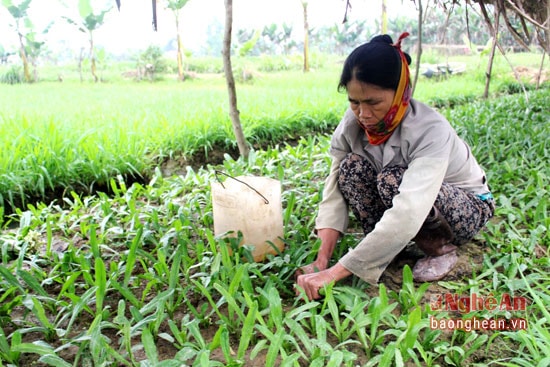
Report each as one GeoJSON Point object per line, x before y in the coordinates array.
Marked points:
{"type": "Point", "coordinates": [388, 181]}
{"type": "Point", "coordinates": [354, 168]}
{"type": "Point", "coordinates": [350, 162]}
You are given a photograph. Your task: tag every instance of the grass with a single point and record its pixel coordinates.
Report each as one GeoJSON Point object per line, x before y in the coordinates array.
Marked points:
{"type": "Point", "coordinates": [59, 137]}
{"type": "Point", "coordinates": [134, 275]}
{"type": "Point", "coordinates": [75, 136]}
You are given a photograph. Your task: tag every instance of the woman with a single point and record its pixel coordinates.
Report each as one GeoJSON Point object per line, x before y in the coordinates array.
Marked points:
{"type": "Point", "coordinates": [402, 170]}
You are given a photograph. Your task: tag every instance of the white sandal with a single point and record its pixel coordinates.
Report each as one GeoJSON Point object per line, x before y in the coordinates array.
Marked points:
{"type": "Point", "coordinates": [432, 268]}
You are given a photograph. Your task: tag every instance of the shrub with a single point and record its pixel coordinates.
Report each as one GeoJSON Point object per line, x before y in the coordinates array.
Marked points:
{"type": "Point", "coordinates": [153, 56]}
{"type": "Point", "coordinates": [513, 87]}
{"type": "Point", "coordinates": [12, 76]}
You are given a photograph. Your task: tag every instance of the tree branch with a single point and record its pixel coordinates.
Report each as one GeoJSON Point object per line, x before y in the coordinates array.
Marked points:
{"type": "Point", "coordinates": [348, 6]}
{"type": "Point", "coordinates": [511, 28]}
{"type": "Point", "coordinates": [524, 15]}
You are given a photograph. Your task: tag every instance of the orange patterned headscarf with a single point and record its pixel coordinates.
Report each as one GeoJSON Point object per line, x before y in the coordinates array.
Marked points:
{"type": "Point", "coordinates": [380, 132]}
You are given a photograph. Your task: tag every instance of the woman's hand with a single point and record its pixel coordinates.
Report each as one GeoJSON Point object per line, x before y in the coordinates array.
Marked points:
{"type": "Point", "coordinates": [328, 238]}
{"type": "Point", "coordinates": [315, 267]}
{"type": "Point", "coordinates": [311, 283]}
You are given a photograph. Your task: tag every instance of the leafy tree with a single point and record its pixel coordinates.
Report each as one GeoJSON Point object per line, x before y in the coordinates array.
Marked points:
{"type": "Point", "coordinates": [153, 55]}
{"type": "Point", "coordinates": [446, 25]}
{"type": "Point", "coordinates": [268, 40]}
{"type": "Point", "coordinates": [277, 40]}
{"type": "Point", "coordinates": [87, 24]}
{"type": "Point", "coordinates": [401, 24]}
{"type": "Point", "coordinates": [248, 45]}
{"type": "Point", "coordinates": [350, 34]}
{"type": "Point", "coordinates": [175, 6]}
{"type": "Point", "coordinates": [286, 40]}
{"type": "Point", "coordinates": [19, 14]}
{"type": "Point", "coordinates": [214, 32]}
{"type": "Point", "coordinates": [33, 49]}
{"type": "Point", "coordinates": [150, 62]}
{"type": "Point", "coordinates": [517, 15]}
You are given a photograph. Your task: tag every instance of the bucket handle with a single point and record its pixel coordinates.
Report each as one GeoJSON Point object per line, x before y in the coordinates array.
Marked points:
{"type": "Point", "coordinates": [216, 172]}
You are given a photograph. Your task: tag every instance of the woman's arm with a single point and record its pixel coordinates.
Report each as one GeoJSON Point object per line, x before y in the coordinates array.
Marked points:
{"type": "Point", "coordinates": [417, 193]}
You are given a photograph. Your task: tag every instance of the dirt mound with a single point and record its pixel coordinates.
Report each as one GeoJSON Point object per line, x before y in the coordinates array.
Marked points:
{"type": "Point", "coordinates": [531, 75]}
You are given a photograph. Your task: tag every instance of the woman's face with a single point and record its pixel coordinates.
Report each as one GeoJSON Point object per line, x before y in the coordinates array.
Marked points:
{"type": "Point", "coordinates": [369, 102]}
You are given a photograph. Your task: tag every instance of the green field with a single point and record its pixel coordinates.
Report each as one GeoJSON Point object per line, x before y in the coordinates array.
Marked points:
{"type": "Point", "coordinates": [134, 276]}
{"type": "Point", "coordinates": [72, 135]}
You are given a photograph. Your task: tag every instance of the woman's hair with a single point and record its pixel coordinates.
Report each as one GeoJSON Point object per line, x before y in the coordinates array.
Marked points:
{"type": "Point", "coordinates": [376, 62]}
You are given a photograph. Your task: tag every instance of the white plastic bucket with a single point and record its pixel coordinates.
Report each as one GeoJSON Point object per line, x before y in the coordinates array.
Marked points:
{"type": "Point", "coordinates": [251, 205]}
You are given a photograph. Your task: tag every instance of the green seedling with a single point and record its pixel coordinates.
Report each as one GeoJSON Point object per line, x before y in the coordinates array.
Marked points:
{"type": "Point", "coordinates": [149, 248]}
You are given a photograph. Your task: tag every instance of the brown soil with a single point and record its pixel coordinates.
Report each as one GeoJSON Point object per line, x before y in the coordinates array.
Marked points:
{"type": "Point", "coordinates": [531, 75]}
{"type": "Point", "coordinates": [179, 165]}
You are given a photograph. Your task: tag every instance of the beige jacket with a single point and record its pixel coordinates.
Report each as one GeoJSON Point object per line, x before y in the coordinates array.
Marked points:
{"type": "Point", "coordinates": [425, 144]}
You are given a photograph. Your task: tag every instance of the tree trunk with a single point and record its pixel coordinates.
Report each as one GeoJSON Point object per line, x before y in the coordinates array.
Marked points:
{"type": "Point", "coordinates": [180, 51]}
{"type": "Point", "coordinates": [92, 59]}
{"type": "Point", "coordinates": [23, 56]}
{"type": "Point", "coordinates": [384, 17]}
{"type": "Point", "coordinates": [80, 58]}
{"type": "Point", "coordinates": [306, 38]}
{"type": "Point", "coordinates": [547, 29]}
{"type": "Point", "coordinates": [226, 52]}
{"type": "Point", "coordinates": [492, 55]}
{"type": "Point", "coordinates": [539, 76]}
{"type": "Point", "coordinates": [418, 46]}
{"type": "Point", "coordinates": [180, 60]}
{"type": "Point", "coordinates": [155, 24]}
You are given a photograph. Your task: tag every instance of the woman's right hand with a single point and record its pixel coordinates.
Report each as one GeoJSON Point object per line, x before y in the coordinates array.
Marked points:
{"type": "Point", "coordinates": [328, 238]}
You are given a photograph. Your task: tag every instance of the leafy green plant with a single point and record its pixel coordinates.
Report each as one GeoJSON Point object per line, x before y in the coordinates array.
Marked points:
{"type": "Point", "coordinates": [12, 76]}
{"type": "Point", "coordinates": [408, 296]}
{"type": "Point", "coordinates": [45, 351]}
{"type": "Point", "coordinates": [8, 352]}
{"type": "Point", "coordinates": [137, 266]}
